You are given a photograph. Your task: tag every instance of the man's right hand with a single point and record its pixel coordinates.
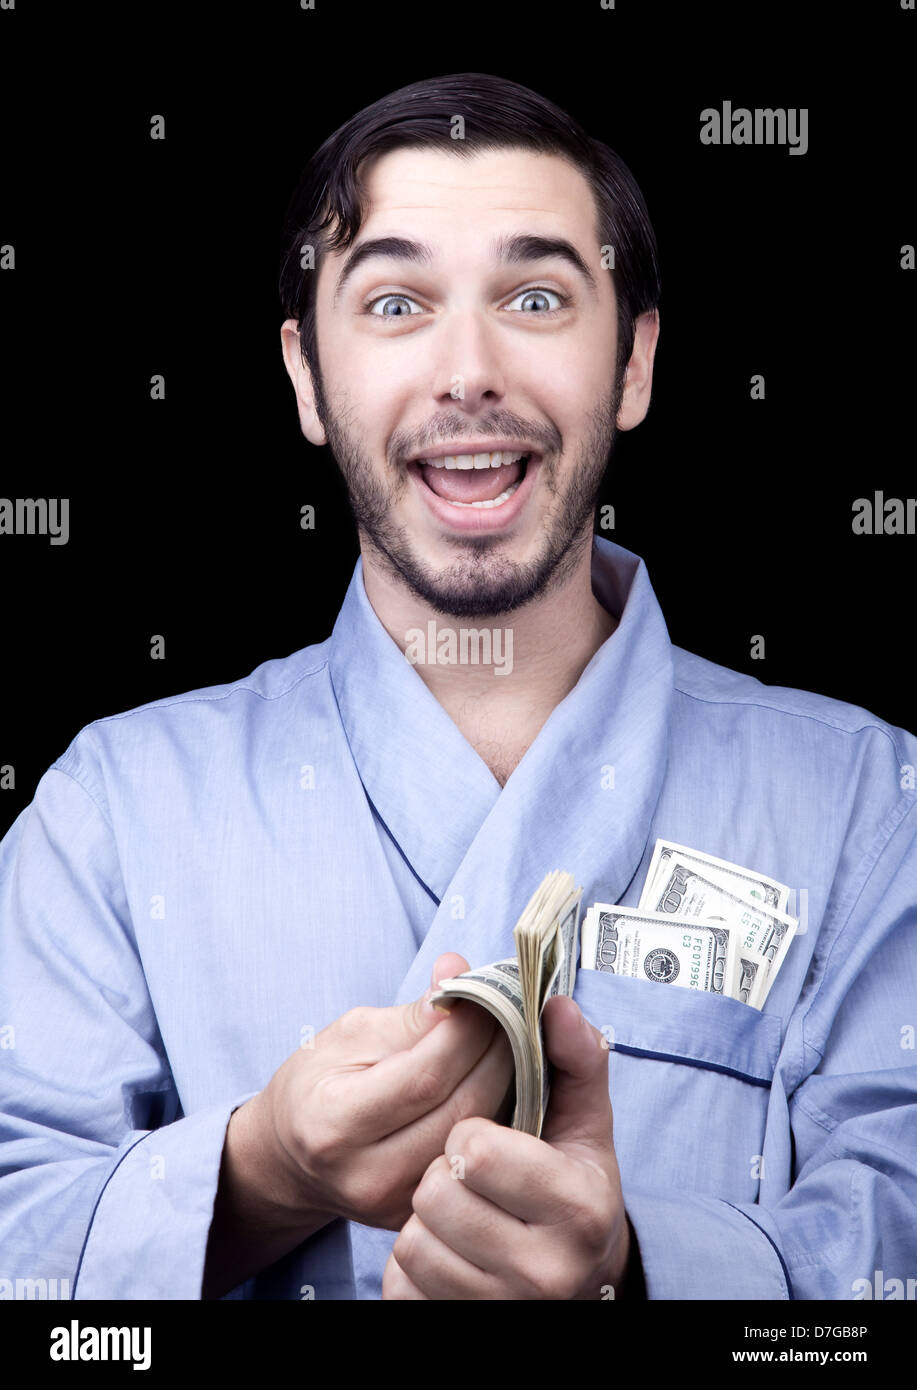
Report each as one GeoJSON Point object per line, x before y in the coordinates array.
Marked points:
{"type": "Point", "coordinates": [348, 1127]}
{"type": "Point", "coordinates": [355, 1121]}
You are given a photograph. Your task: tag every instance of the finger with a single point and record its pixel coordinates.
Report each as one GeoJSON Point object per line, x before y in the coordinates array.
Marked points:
{"type": "Point", "coordinates": [579, 1108]}
{"type": "Point", "coordinates": [486, 1090]}
{"type": "Point", "coordinates": [404, 1086]}
{"type": "Point", "coordinates": [522, 1175]}
{"type": "Point", "coordinates": [484, 1235]}
{"type": "Point", "coordinates": [439, 1271]}
{"type": "Point", "coordinates": [396, 1284]}
{"type": "Point", "coordinates": [478, 1093]}
{"type": "Point", "coordinates": [380, 1032]}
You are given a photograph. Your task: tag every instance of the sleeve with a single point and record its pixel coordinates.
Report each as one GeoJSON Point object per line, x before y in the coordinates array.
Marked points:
{"type": "Point", "coordinates": [106, 1189]}
{"type": "Point", "coordinates": [846, 1228]}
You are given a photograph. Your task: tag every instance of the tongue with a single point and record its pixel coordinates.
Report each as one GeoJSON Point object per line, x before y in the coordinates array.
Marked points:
{"type": "Point", "coordinates": [471, 484]}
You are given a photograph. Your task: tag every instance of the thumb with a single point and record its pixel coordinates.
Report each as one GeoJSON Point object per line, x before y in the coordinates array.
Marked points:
{"type": "Point", "coordinates": [421, 1015]}
{"type": "Point", "coordinates": [447, 965]}
{"type": "Point", "coordinates": [579, 1107]}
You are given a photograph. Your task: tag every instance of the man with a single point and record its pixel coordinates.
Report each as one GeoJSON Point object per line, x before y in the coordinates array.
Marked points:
{"type": "Point", "coordinates": [221, 911]}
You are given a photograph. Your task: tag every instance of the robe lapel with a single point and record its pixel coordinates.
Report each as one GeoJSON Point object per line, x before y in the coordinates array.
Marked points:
{"type": "Point", "coordinates": [564, 807]}
{"type": "Point", "coordinates": [426, 782]}
{"type": "Point", "coordinates": [582, 798]}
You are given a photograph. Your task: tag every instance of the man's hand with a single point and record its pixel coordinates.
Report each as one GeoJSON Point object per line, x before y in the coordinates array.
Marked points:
{"type": "Point", "coordinates": [356, 1120]}
{"type": "Point", "coordinates": [503, 1215]}
{"type": "Point", "coordinates": [347, 1127]}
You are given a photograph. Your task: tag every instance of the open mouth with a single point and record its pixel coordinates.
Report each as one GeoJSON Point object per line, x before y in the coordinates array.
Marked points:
{"type": "Point", "coordinates": [482, 481]}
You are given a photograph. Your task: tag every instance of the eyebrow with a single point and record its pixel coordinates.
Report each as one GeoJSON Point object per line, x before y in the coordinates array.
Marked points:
{"type": "Point", "coordinates": [511, 250]}
{"type": "Point", "coordinates": [507, 250]}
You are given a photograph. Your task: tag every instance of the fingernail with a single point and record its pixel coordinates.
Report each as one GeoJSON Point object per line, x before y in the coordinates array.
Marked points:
{"type": "Point", "coordinates": [440, 1009]}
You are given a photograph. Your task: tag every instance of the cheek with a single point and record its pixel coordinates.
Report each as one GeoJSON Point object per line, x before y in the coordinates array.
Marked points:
{"type": "Point", "coordinates": [582, 375]}
{"type": "Point", "coordinates": [567, 375]}
{"type": "Point", "coordinates": [373, 394]}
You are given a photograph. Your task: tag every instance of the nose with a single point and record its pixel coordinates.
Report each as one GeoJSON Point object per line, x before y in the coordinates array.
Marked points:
{"type": "Point", "coordinates": [467, 366]}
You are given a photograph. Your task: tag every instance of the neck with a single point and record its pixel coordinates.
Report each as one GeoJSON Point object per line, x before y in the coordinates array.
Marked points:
{"type": "Point", "coordinates": [497, 678]}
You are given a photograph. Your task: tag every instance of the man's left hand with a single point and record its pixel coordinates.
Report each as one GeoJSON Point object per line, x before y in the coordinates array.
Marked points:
{"type": "Point", "coordinates": [503, 1215]}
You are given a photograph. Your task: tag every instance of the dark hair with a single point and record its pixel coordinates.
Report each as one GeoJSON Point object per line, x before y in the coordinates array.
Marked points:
{"type": "Point", "coordinates": [327, 208]}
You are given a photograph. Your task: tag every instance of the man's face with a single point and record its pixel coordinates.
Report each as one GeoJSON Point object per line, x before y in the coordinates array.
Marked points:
{"type": "Point", "coordinates": [482, 342]}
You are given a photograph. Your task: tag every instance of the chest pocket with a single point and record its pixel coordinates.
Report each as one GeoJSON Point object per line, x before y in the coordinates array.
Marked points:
{"type": "Point", "coordinates": [689, 1078]}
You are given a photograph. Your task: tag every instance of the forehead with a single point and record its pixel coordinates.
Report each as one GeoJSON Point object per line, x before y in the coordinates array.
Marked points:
{"type": "Point", "coordinates": [438, 189]}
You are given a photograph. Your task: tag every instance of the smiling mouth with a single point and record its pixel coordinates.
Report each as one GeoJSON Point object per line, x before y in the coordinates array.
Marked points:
{"type": "Point", "coordinates": [483, 481]}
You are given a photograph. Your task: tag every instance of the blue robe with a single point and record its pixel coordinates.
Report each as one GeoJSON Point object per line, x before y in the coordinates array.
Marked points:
{"type": "Point", "coordinates": [202, 884]}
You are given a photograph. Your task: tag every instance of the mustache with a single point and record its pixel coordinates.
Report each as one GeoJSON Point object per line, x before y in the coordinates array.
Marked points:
{"type": "Point", "coordinates": [404, 445]}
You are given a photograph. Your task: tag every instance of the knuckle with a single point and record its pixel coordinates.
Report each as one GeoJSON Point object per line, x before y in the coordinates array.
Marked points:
{"type": "Point", "coordinates": [355, 1023]}
{"type": "Point", "coordinates": [532, 1278]}
{"type": "Point", "coordinates": [592, 1226]}
{"type": "Point", "coordinates": [460, 1135]}
{"type": "Point", "coordinates": [477, 1151]}
{"type": "Point", "coordinates": [323, 1146]}
{"type": "Point", "coordinates": [390, 1279]}
{"type": "Point", "coordinates": [554, 1280]}
{"type": "Point", "coordinates": [564, 1283]}
{"type": "Point", "coordinates": [374, 1198]}
{"type": "Point", "coordinates": [364, 1192]}
{"type": "Point", "coordinates": [432, 1190]}
{"type": "Point", "coordinates": [406, 1244]}
{"type": "Point", "coordinates": [324, 1140]}
{"type": "Point", "coordinates": [425, 1086]}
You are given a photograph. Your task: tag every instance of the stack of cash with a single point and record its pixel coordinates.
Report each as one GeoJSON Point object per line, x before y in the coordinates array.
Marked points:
{"type": "Point", "coordinates": [701, 922]}
{"type": "Point", "coordinates": [515, 991]}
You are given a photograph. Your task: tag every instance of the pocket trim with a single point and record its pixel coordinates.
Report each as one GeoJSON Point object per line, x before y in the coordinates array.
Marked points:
{"type": "Point", "coordinates": [682, 1025]}
{"type": "Point", "coordinates": [692, 1062]}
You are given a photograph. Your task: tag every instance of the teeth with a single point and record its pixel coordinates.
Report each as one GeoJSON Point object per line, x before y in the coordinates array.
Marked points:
{"type": "Point", "coordinates": [494, 501]}
{"type": "Point", "coordinates": [494, 460]}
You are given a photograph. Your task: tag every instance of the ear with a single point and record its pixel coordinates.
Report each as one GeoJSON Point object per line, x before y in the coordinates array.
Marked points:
{"type": "Point", "coordinates": [638, 378]}
{"type": "Point", "coordinates": [301, 377]}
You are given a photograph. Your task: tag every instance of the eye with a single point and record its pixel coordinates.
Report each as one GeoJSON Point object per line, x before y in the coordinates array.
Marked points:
{"type": "Point", "coordinates": [393, 306]}
{"type": "Point", "coordinates": [536, 301]}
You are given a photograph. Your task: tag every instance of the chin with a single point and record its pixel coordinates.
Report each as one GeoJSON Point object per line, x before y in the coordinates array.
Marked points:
{"type": "Point", "coordinates": [474, 595]}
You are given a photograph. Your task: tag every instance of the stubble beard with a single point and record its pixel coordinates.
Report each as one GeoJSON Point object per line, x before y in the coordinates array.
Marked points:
{"type": "Point", "coordinates": [482, 581]}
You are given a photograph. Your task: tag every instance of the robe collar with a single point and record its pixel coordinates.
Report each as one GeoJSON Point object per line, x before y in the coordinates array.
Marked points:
{"type": "Point", "coordinates": [582, 798]}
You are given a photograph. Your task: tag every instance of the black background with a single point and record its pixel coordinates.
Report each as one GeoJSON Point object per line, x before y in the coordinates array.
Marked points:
{"type": "Point", "coordinates": [136, 257]}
